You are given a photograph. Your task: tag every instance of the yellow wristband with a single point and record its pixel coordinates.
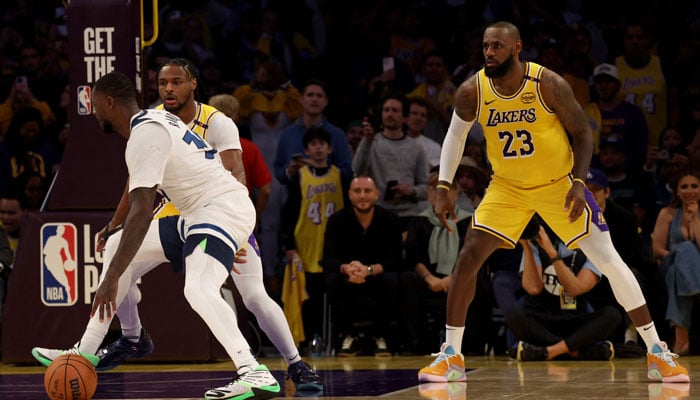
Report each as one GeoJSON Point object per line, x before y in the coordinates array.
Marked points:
{"type": "Point", "coordinates": [441, 186]}
{"type": "Point", "coordinates": [581, 181]}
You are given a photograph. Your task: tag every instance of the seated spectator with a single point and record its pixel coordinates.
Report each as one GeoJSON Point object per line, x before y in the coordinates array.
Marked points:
{"type": "Point", "coordinates": [631, 190]}
{"type": "Point", "coordinates": [676, 239]}
{"type": "Point", "coordinates": [361, 257]}
{"type": "Point", "coordinates": [27, 148]}
{"type": "Point", "coordinates": [315, 191]}
{"type": "Point", "coordinates": [554, 319]}
{"type": "Point", "coordinates": [431, 253]}
{"type": "Point", "coordinates": [11, 211]}
{"type": "Point", "coordinates": [32, 188]}
{"type": "Point", "coordinates": [472, 182]}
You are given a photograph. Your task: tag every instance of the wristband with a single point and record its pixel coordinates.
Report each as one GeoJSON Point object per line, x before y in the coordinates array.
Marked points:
{"type": "Point", "coordinates": [554, 259]}
{"type": "Point", "coordinates": [443, 186]}
{"type": "Point", "coordinates": [581, 181]}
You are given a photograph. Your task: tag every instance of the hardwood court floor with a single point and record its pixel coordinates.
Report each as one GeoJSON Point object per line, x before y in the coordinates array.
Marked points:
{"type": "Point", "coordinates": [394, 378]}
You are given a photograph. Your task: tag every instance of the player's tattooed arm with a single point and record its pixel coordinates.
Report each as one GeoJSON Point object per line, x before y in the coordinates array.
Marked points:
{"type": "Point", "coordinates": [466, 101]}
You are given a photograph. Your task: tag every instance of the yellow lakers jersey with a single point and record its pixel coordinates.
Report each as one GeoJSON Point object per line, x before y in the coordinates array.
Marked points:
{"type": "Point", "coordinates": [321, 196]}
{"type": "Point", "coordinates": [200, 126]}
{"type": "Point", "coordinates": [646, 87]}
{"type": "Point", "coordinates": [525, 141]}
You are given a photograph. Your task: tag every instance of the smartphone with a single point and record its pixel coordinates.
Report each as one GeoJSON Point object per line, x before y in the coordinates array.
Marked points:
{"type": "Point", "coordinates": [388, 193]}
{"type": "Point", "coordinates": [297, 156]}
{"type": "Point", "coordinates": [387, 63]}
{"type": "Point", "coordinates": [21, 84]}
{"type": "Point", "coordinates": [664, 154]}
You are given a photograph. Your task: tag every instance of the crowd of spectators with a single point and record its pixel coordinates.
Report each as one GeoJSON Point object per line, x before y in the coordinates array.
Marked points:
{"type": "Point", "coordinates": [373, 74]}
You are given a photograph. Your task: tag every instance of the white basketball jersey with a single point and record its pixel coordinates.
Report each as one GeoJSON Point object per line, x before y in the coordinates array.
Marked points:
{"type": "Point", "coordinates": [163, 153]}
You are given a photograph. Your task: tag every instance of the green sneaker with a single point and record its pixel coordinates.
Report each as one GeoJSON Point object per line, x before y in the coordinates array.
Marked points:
{"type": "Point", "coordinates": [249, 383]}
{"type": "Point", "coordinates": [46, 356]}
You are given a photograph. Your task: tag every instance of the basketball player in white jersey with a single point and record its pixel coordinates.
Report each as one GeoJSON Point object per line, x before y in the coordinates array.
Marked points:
{"type": "Point", "coordinates": [216, 219]}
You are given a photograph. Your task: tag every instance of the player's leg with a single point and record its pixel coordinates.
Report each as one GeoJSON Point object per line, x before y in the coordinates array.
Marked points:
{"type": "Point", "coordinates": [590, 233]}
{"type": "Point", "coordinates": [271, 318]}
{"type": "Point", "coordinates": [213, 234]}
{"type": "Point", "coordinates": [499, 219]}
{"type": "Point", "coordinates": [206, 267]}
{"type": "Point", "coordinates": [135, 341]}
{"type": "Point", "coordinates": [599, 249]}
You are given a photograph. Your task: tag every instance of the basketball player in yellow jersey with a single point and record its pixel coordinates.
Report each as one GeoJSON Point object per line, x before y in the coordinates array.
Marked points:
{"type": "Point", "coordinates": [525, 111]}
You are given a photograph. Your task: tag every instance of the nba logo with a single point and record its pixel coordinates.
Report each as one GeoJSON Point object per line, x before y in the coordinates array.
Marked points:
{"type": "Point", "coordinates": [84, 102]}
{"type": "Point", "coordinates": [59, 279]}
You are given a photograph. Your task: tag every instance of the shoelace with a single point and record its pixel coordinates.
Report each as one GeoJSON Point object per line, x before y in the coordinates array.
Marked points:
{"type": "Point", "coordinates": [72, 350]}
{"type": "Point", "coordinates": [441, 355]}
{"type": "Point", "coordinates": [668, 357]}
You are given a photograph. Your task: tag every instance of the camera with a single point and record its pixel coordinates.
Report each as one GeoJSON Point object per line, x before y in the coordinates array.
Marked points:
{"type": "Point", "coordinates": [21, 84]}
{"type": "Point", "coordinates": [664, 154]}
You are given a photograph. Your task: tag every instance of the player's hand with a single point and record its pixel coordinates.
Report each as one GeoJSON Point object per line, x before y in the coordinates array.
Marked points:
{"type": "Point", "coordinates": [239, 258]}
{"type": "Point", "coordinates": [445, 208]}
{"type": "Point", "coordinates": [105, 303]}
{"type": "Point", "coordinates": [575, 201]}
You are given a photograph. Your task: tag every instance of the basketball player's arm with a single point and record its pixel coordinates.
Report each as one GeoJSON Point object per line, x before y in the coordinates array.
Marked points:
{"type": "Point", "coordinates": [452, 150]}
{"type": "Point", "coordinates": [233, 161]}
{"type": "Point", "coordinates": [558, 95]}
{"type": "Point", "coordinates": [135, 227]}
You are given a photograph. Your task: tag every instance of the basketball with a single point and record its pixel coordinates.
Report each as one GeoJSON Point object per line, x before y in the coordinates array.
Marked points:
{"type": "Point", "coordinates": [70, 376]}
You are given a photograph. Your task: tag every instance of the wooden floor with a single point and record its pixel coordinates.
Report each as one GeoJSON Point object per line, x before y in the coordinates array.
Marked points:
{"type": "Point", "coordinates": [395, 378]}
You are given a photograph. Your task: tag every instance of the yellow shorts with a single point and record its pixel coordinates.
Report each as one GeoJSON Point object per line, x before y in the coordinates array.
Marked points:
{"type": "Point", "coordinates": [506, 209]}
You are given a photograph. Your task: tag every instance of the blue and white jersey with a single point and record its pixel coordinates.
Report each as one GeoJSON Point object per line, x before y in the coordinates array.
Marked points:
{"type": "Point", "coordinates": [163, 152]}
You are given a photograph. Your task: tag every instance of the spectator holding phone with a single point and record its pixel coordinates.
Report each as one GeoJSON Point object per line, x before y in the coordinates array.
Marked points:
{"type": "Point", "coordinates": [397, 163]}
{"type": "Point", "coordinates": [21, 97]}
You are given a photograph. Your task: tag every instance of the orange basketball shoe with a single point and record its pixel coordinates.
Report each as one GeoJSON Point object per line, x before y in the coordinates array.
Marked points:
{"type": "Point", "coordinates": [663, 366]}
{"type": "Point", "coordinates": [447, 367]}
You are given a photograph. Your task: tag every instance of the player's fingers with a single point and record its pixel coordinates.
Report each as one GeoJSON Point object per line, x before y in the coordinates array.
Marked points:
{"type": "Point", "coordinates": [236, 270]}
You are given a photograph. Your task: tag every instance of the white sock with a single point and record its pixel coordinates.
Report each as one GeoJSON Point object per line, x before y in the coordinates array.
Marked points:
{"type": "Point", "coordinates": [453, 337]}
{"type": "Point", "coordinates": [649, 335]}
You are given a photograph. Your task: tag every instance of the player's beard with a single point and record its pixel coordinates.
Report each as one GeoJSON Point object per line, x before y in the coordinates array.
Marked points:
{"type": "Point", "coordinates": [501, 70]}
{"type": "Point", "coordinates": [179, 106]}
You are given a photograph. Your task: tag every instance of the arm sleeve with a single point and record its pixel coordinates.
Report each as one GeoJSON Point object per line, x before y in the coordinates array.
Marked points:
{"type": "Point", "coordinates": [453, 147]}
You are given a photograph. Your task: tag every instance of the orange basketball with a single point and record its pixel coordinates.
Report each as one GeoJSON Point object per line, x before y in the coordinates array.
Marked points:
{"type": "Point", "coordinates": [70, 376]}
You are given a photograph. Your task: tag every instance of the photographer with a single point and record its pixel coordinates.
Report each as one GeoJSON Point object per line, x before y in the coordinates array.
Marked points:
{"type": "Point", "coordinates": [553, 319]}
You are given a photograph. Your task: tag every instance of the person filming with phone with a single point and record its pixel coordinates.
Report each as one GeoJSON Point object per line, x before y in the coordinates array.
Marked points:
{"type": "Point", "coordinates": [20, 97]}
{"type": "Point", "coordinates": [397, 163]}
